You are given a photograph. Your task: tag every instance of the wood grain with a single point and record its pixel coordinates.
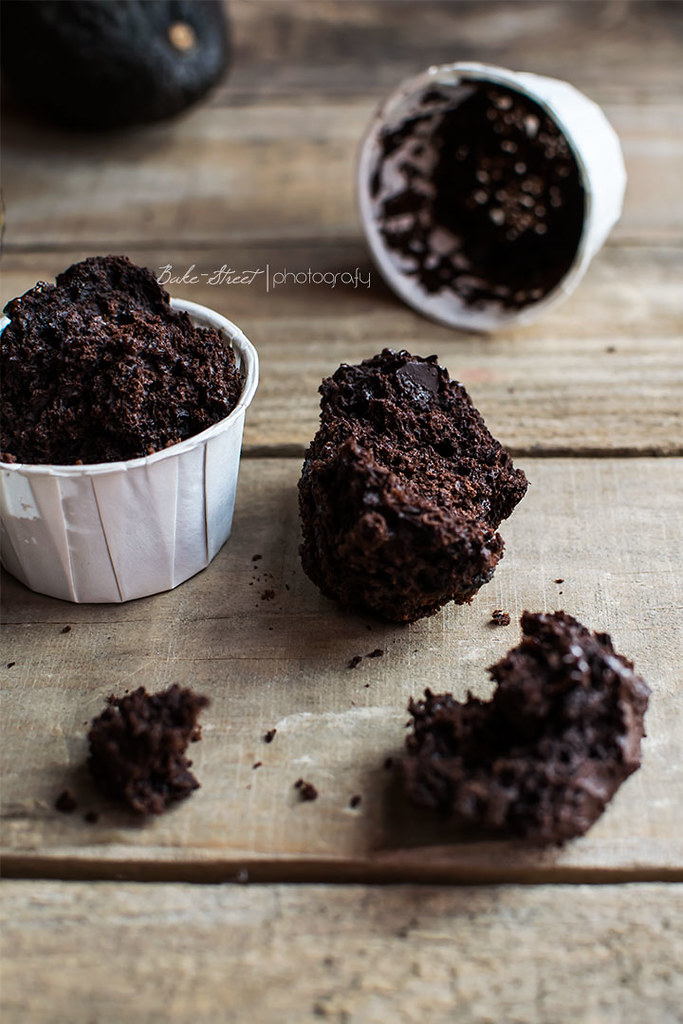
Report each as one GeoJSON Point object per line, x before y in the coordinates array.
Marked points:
{"type": "Point", "coordinates": [602, 374]}
{"type": "Point", "coordinates": [279, 170]}
{"type": "Point", "coordinates": [283, 663]}
{"type": "Point", "coordinates": [332, 49]}
{"type": "Point", "coordinates": [263, 173]}
{"type": "Point", "coordinates": [169, 954]}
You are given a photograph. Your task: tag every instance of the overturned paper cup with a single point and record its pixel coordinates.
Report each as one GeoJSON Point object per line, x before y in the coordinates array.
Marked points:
{"type": "Point", "coordinates": [485, 193]}
{"type": "Point", "coordinates": [115, 531]}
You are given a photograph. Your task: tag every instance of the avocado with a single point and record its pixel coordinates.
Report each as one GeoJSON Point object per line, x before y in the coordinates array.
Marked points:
{"type": "Point", "coordinates": [100, 64]}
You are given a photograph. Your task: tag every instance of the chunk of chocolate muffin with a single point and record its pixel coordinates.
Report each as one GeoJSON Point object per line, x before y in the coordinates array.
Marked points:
{"type": "Point", "coordinates": [138, 744]}
{"type": "Point", "coordinates": [99, 368]}
{"type": "Point", "coordinates": [402, 490]}
{"type": "Point", "coordinates": [542, 758]}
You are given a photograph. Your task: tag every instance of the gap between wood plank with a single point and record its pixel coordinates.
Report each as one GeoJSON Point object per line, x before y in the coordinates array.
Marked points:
{"type": "Point", "coordinates": [296, 451]}
{"type": "Point", "coordinates": [277, 243]}
{"type": "Point", "coordinates": [322, 871]}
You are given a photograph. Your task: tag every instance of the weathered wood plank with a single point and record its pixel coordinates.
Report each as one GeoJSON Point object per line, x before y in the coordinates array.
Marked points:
{"type": "Point", "coordinates": [610, 529]}
{"type": "Point", "coordinates": [174, 953]}
{"type": "Point", "coordinates": [278, 170]}
{"type": "Point", "coordinates": [342, 49]}
{"type": "Point", "coordinates": [602, 374]}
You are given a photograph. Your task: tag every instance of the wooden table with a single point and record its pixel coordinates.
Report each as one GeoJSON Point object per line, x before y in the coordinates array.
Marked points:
{"type": "Point", "coordinates": [118, 921]}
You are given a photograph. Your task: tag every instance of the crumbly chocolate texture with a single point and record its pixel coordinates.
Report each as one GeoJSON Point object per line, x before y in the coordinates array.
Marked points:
{"type": "Point", "coordinates": [138, 744]}
{"type": "Point", "coordinates": [99, 368]}
{"type": "Point", "coordinates": [479, 193]}
{"type": "Point", "coordinates": [402, 490]}
{"type": "Point", "coordinates": [542, 758]}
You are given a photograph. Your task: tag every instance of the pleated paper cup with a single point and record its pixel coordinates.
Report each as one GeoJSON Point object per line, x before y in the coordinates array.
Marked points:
{"type": "Point", "coordinates": [115, 531]}
{"type": "Point", "coordinates": [592, 141]}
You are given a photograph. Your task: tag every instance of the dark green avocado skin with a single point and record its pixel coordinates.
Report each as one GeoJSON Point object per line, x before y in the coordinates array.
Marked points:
{"type": "Point", "coordinates": [99, 64]}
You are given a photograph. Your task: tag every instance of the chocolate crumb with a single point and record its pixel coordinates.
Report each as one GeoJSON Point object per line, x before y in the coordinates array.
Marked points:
{"type": "Point", "coordinates": [138, 744]}
{"type": "Point", "coordinates": [66, 802]}
{"type": "Point", "coordinates": [67, 629]}
{"type": "Point", "coordinates": [269, 736]}
{"type": "Point", "coordinates": [355, 661]}
{"type": "Point", "coordinates": [559, 581]}
{"type": "Point", "coordinates": [377, 653]}
{"type": "Point", "coordinates": [355, 800]}
{"type": "Point", "coordinates": [257, 764]}
{"type": "Point", "coordinates": [11, 664]}
{"type": "Point", "coordinates": [307, 790]}
{"type": "Point", "coordinates": [92, 817]}
{"type": "Point", "coordinates": [268, 595]}
{"type": "Point", "coordinates": [256, 558]}
{"type": "Point", "coordinates": [500, 618]}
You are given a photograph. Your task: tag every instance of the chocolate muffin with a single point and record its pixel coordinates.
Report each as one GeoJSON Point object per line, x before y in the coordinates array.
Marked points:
{"type": "Point", "coordinates": [542, 758]}
{"type": "Point", "coordinates": [99, 368]}
{"type": "Point", "coordinates": [138, 744]}
{"type": "Point", "coordinates": [402, 490]}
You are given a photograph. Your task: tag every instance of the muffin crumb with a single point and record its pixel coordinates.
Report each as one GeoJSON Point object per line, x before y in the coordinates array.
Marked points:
{"type": "Point", "coordinates": [307, 790]}
{"type": "Point", "coordinates": [66, 802]}
{"type": "Point", "coordinates": [138, 744]}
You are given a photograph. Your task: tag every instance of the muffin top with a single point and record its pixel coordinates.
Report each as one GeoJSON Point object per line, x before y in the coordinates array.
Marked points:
{"type": "Point", "coordinates": [99, 368]}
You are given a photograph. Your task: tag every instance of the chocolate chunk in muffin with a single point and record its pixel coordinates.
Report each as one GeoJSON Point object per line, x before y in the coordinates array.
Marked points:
{"type": "Point", "coordinates": [402, 490]}
{"type": "Point", "coordinates": [542, 758]}
{"type": "Point", "coordinates": [138, 744]}
{"type": "Point", "coordinates": [100, 368]}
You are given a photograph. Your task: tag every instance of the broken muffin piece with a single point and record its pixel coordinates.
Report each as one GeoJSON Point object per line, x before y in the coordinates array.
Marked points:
{"type": "Point", "coordinates": [402, 490]}
{"type": "Point", "coordinates": [138, 744]}
{"type": "Point", "coordinates": [100, 368]}
{"type": "Point", "coordinates": [542, 758]}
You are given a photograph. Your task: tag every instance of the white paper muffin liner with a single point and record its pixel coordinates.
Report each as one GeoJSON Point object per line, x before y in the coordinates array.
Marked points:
{"type": "Point", "coordinates": [593, 142]}
{"type": "Point", "coordinates": [116, 531]}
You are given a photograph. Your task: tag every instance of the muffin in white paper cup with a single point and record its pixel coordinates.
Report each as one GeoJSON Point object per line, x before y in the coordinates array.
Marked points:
{"type": "Point", "coordinates": [466, 235]}
{"type": "Point", "coordinates": [115, 531]}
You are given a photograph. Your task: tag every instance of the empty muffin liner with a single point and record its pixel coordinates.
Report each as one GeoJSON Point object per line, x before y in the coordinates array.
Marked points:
{"type": "Point", "coordinates": [590, 137]}
{"type": "Point", "coordinates": [116, 531]}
